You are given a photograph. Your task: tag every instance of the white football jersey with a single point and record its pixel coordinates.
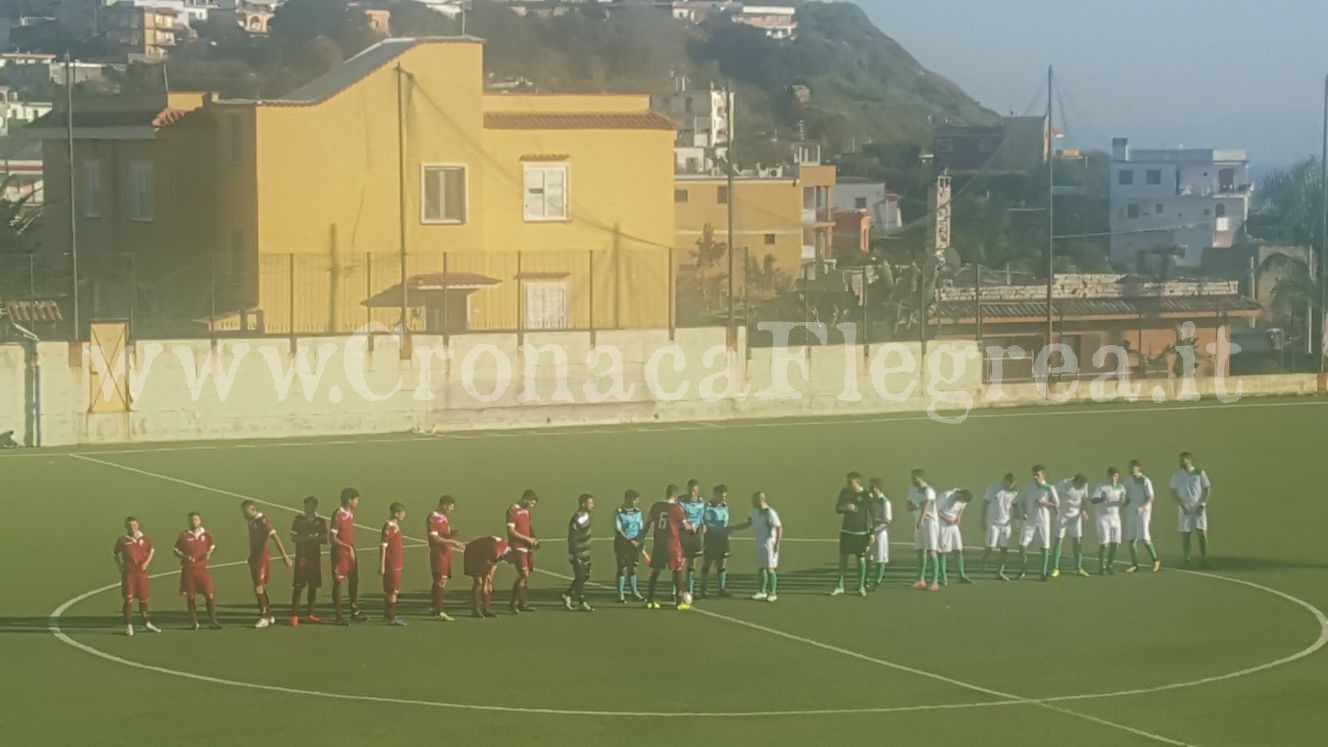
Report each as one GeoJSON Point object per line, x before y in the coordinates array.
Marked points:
{"type": "Point", "coordinates": [1000, 505]}
{"type": "Point", "coordinates": [1071, 498]}
{"type": "Point", "coordinates": [1113, 497]}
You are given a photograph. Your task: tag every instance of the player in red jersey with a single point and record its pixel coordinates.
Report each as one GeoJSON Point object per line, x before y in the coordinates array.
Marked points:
{"type": "Point", "coordinates": [521, 538]}
{"type": "Point", "coordinates": [669, 522]}
{"type": "Point", "coordinates": [480, 559]}
{"type": "Point", "coordinates": [391, 560]}
{"type": "Point", "coordinates": [260, 562]}
{"type": "Point", "coordinates": [193, 547]}
{"type": "Point", "coordinates": [345, 565]}
{"type": "Point", "coordinates": [133, 551]}
{"type": "Point", "coordinates": [442, 540]}
{"type": "Point", "coordinates": [308, 534]}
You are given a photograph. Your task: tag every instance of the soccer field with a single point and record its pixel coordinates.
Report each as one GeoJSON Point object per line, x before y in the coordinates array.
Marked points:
{"type": "Point", "coordinates": [1228, 656]}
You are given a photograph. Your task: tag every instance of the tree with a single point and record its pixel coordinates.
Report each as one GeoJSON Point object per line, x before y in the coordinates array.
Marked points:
{"type": "Point", "coordinates": [413, 19]}
{"type": "Point", "coordinates": [709, 253]}
{"type": "Point", "coordinates": [1290, 212]}
{"type": "Point", "coordinates": [298, 22]}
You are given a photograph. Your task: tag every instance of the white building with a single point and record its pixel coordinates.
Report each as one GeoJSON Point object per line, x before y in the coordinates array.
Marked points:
{"type": "Point", "coordinates": [864, 195]}
{"type": "Point", "coordinates": [703, 117]}
{"type": "Point", "coordinates": [16, 112]}
{"type": "Point", "coordinates": [777, 21]}
{"type": "Point", "coordinates": [1193, 198]}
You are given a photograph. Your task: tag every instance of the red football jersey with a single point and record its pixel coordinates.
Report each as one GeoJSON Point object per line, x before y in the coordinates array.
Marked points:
{"type": "Point", "coordinates": [194, 548]}
{"type": "Point", "coordinates": [439, 525]}
{"type": "Point", "coordinates": [343, 526]}
{"type": "Point", "coordinates": [518, 519]}
{"type": "Point", "coordinates": [133, 551]}
{"type": "Point", "coordinates": [391, 540]}
{"type": "Point", "coordinates": [259, 530]}
{"type": "Point", "coordinates": [667, 519]}
{"type": "Point", "coordinates": [483, 554]}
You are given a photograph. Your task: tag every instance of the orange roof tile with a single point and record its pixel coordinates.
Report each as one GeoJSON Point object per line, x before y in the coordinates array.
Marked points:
{"type": "Point", "coordinates": [577, 121]}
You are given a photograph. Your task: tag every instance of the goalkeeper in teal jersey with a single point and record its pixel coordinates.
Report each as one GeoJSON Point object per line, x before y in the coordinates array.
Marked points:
{"type": "Point", "coordinates": [693, 506]}
{"type": "Point", "coordinates": [627, 539]}
{"type": "Point", "coordinates": [715, 541]}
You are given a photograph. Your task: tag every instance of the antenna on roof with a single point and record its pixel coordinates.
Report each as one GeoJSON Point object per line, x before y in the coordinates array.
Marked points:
{"type": "Point", "coordinates": [165, 78]}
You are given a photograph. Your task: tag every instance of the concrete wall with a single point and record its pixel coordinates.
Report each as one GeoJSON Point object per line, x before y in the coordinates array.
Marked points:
{"type": "Point", "coordinates": [342, 385]}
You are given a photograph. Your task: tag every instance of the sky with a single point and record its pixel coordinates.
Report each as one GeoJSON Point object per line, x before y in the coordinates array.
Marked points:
{"type": "Point", "coordinates": [1164, 73]}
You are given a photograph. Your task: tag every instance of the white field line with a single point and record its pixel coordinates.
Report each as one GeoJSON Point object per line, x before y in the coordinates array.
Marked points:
{"type": "Point", "coordinates": [1010, 699]}
{"type": "Point", "coordinates": [1031, 411]}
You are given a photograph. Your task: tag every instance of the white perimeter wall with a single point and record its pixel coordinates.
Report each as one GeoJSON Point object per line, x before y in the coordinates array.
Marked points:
{"type": "Point", "coordinates": [173, 399]}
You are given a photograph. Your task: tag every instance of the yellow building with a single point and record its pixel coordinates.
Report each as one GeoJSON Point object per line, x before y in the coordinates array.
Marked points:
{"type": "Point", "coordinates": [513, 211]}
{"type": "Point", "coordinates": [785, 215]}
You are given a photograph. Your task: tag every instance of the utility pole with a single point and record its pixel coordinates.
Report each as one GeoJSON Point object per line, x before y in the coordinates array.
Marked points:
{"type": "Point", "coordinates": [401, 199]}
{"type": "Point", "coordinates": [73, 195]}
{"type": "Point", "coordinates": [1323, 244]}
{"type": "Point", "coordinates": [732, 249]}
{"type": "Point", "coordinates": [1051, 204]}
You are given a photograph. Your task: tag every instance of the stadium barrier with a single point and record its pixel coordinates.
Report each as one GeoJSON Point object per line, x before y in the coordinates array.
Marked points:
{"type": "Point", "coordinates": [117, 391]}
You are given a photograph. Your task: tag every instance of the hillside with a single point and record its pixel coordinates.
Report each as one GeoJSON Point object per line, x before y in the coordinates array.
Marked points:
{"type": "Point", "coordinates": [861, 85]}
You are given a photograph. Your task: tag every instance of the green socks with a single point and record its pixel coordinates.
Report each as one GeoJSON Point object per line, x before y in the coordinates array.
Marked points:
{"type": "Point", "coordinates": [938, 568]}
{"type": "Point", "coordinates": [1111, 555]}
{"type": "Point", "coordinates": [942, 571]}
{"type": "Point", "coordinates": [1134, 553]}
{"type": "Point", "coordinates": [1152, 551]}
{"type": "Point", "coordinates": [922, 565]}
{"type": "Point", "coordinates": [1185, 545]}
{"type": "Point", "coordinates": [1056, 557]}
{"type": "Point", "coordinates": [774, 581]}
{"type": "Point", "coordinates": [986, 555]}
{"type": "Point", "coordinates": [1046, 561]}
{"type": "Point", "coordinates": [1102, 559]}
{"type": "Point", "coordinates": [1203, 545]}
{"type": "Point", "coordinates": [959, 563]}
{"type": "Point", "coordinates": [765, 580]}
{"type": "Point", "coordinates": [862, 574]}
{"type": "Point", "coordinates": [1078, 555]}
{"type": "Point", "coordinates": [880, 573]}
{"type": "Point", "coordinates": [1003, 554]}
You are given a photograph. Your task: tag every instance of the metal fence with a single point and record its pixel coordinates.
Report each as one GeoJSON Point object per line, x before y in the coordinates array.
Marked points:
{"type": "Point", "coordinates": [185, 295]}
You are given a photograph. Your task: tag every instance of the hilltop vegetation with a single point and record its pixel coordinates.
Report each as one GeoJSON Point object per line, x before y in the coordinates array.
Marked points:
{"type": "Point", "coordinates": [858, 85]}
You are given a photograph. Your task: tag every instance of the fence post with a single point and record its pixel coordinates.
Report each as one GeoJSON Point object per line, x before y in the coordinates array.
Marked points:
{"type": "Point", "coordinates": [590, 260]}
{"type": "Point", "coordinates": [520, 298]}
{"type": "Point", "coordinates": [290, 302]}
{"type": "Point", "coordinates": [212, 299]}
{"type": "Point", "coordinates": [444, 315]}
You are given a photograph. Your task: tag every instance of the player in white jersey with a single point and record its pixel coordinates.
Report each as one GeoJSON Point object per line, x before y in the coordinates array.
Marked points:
{"type": "Point", "coordinates": [926, 529]}
{"type": "Point", "coordinates": [769, 531]}
{"type": "Point", "coordinates": [1107, 501]}
{"type": "Point", "coordinates": [1039, 503]}
{"type": "Point", "coordinates": [882, 515]}
{"type": "Point", "coordinates": [1139, 516]}
{"type": "Point", "coordinates": [1191, 489]}
{"type": "Point", "coordinates": [998, 518]}
{"type": "Point", "coordinates": [950, 510]}
{"type": "Point", "coordinates": [1069, 523]}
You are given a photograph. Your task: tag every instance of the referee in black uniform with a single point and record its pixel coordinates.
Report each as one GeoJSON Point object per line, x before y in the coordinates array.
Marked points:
{"type": "Point", "coordinates": [579, 541]}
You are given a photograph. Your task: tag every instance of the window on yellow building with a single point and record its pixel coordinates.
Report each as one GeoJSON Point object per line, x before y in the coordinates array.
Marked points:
{"type": "Point", "coordinates": [680, 195]}
{"type": "Point", "coordinates": [546, 191]}
{"type": "Point", "coordinates": [444, 193]}
{"type": "Point", "coordinates": [545, 304]}
{"type": "Point", "coordinates": [722, 195]}
{"type": "Point", "coordinates": [92, 188]}
{"type": "Point", "coordinates": [142, 200]}
{"type": "Point", "coordinates": [769, 239]}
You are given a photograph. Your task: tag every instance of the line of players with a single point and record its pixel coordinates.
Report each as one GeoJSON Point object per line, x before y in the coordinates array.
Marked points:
{"type": "Point", "coordinates": [1122, 508]}
{"type": "Point", "coordinates": [677, 528]}
{"type": "Point", "coordinates": [686, 528]}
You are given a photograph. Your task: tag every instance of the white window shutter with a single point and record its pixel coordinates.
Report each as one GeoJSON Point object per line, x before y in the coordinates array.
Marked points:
{"type": "Point", "coordinates": [534, 193]}
{"type": "Point", "coordinates": [555, 192]}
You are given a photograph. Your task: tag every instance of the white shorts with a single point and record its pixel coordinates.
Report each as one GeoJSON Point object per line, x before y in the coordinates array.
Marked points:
{"type": "Point", "coordinates": [880, 549]}
{"type": "Point", "coordinates": [1138, 524]}
{"type": "Point", "coordinates": [998, 535]}
{"type": "Point", "coordinates": [1072, 527]}
{"type": "Point", "coordinates": [1108, 530]}
{"type": "Point", "coordinates": [1036, 529]}
{"type": "Point", "coordinates": [1197, 521]}
{"type": "Point", "coordinates": [766, 557]}
{"type": "Point", "coordinates": [928, 537]}
{"type": "Point", "coordinates": [950, 538]}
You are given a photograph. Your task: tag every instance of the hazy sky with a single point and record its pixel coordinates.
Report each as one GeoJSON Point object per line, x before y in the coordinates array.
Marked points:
{"type": "Point", "coordinates": [1164, 73]}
